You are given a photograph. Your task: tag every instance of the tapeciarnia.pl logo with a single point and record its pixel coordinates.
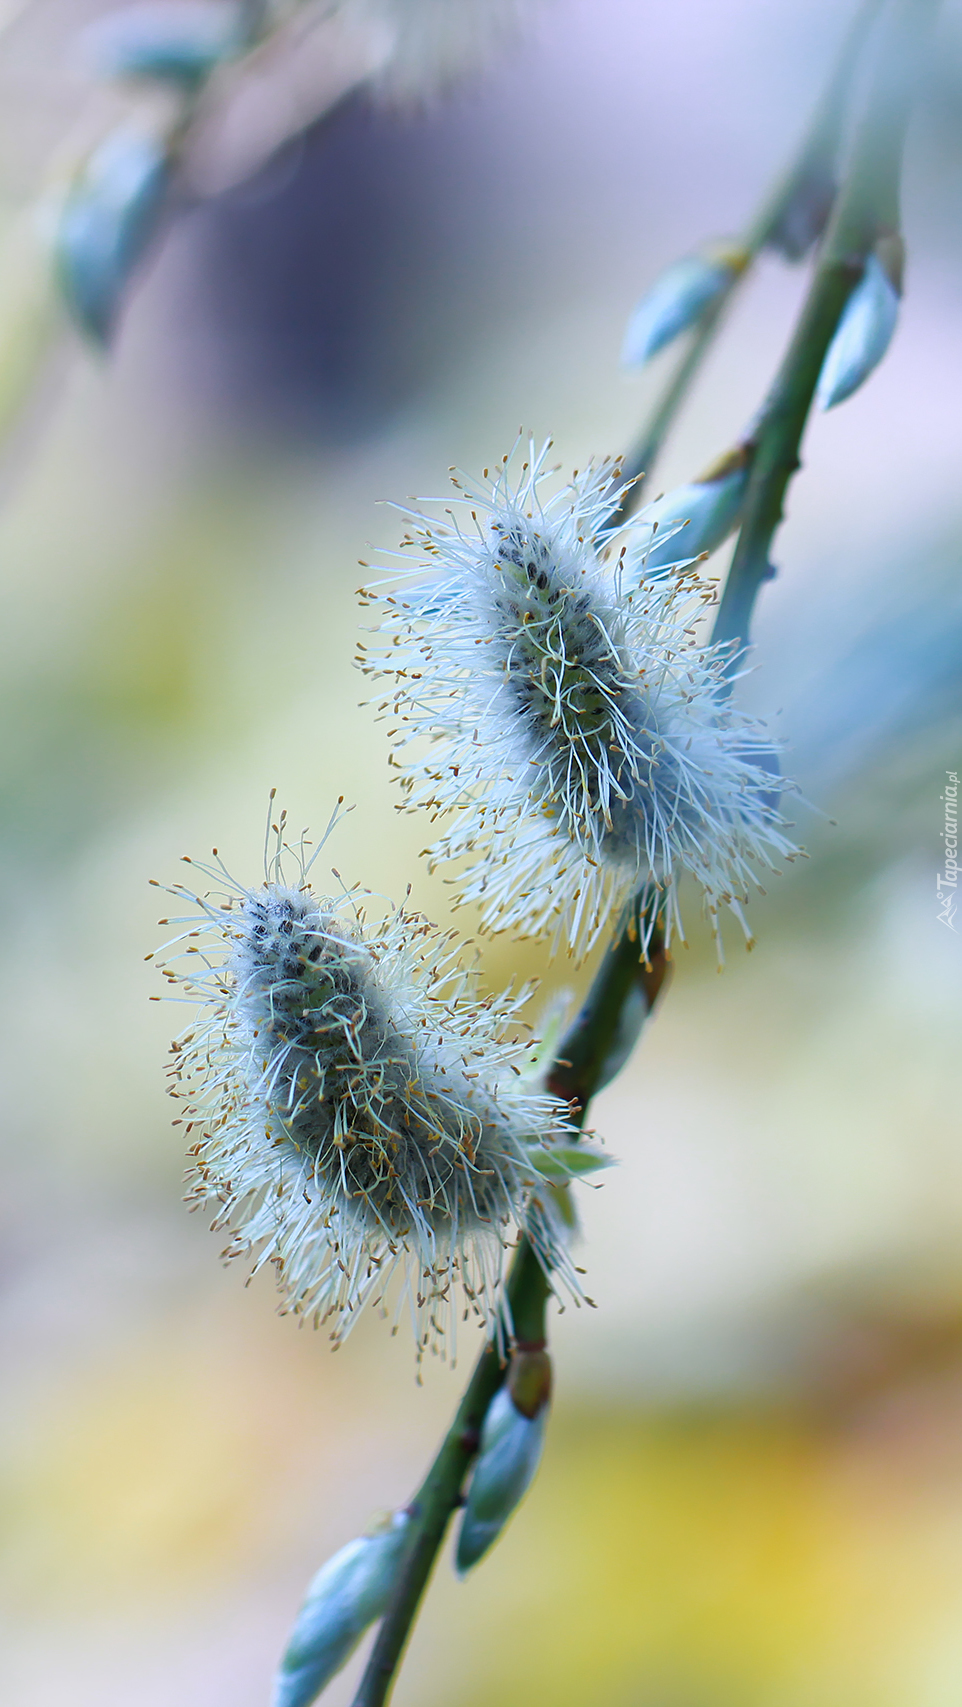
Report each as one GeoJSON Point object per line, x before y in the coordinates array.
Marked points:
{"type": "Point", "coordinates": [947, 881]}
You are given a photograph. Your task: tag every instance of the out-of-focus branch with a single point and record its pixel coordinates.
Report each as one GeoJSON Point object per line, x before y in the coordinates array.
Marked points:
{"type": "Point", "coordinates": [789, 218]}
{"type": "Point", "coordinates": [867, 208]}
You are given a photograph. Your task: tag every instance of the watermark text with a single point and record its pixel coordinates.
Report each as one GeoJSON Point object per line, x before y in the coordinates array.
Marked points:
{"type": "Point", "coordinates": [947, 882]}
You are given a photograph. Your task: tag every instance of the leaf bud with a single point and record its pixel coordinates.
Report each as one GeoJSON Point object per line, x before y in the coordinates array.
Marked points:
{"type": "Point", "coordinates": [512, 1438]}
{"type": "Point", "coordinates": [347, 1595]}
{"type": "Point", "coordinates": [562, 1162]}
{"type": "Point", "coordinates": [695, 519]}
{"type": "Point", "coordinates": [678, 298]}
{"type": "Point", "coordinates": [867, 325]}
{"type": "Point", "coordinates": [107, 220]}
{"type": "Point", "coordinates": [179, 41]}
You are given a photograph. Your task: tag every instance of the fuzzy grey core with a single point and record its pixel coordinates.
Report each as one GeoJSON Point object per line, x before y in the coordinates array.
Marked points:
{"type": "Point", "coordinates": [592, 731]}
{"type": "Point", "coordinates": [346, 1090]}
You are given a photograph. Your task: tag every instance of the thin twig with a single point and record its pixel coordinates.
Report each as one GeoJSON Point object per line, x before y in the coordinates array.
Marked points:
{"type": "Point", "coordinates": [811, 171]}
{"type": "Point", "coordinates": [638, 464]}
{"type": "Point", "coordinates": [867, 208]}
{"type": "Point", "coordinates": [528, 1289]}
{"type": "Point", "coordinates": [575, 1075]}
{"type": "Point", "coordinates": [582, 1058]}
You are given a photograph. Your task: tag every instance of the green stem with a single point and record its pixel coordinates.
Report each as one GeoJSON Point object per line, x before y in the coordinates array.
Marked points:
{"type": "Point", "coordinates": [866, 208]}
{"type": "Point", "coordinates": [819, 151]}
{"type": "Point", "coordinates": [637, 465]}
{"type": "Point", "coordinates": [777, 441]}
{"type": "Point", "coordinates": [528, 1290]}
{"type": "Point", "coordinates": [253, 21]}
{"type": "Point", "coordinates": [814, 161]}
{"type": "Point", "coordinates": [584, 1054]}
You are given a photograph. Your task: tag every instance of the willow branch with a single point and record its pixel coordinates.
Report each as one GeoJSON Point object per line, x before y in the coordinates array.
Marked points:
{"type": "Point", "coordinates": [811, 168]}
{"type": "Point", "coordinates": [625, 970]}
{"type": "Point", "coordinates": [528, 1290]}
{"type": "Point", "coordinates": [870, 195]}
{"type": "Point", "coordinates": [574, 1076]}
{"type": "Point", "coordinates": [637, 465]}
{"type": "Point", "coordinates": [867, 207]}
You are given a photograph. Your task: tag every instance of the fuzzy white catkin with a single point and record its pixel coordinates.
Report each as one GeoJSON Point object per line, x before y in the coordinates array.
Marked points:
{"type": "Point", "coordinates": [356, 1108]}
{"type": "Point", "coordinates": [561, 717]}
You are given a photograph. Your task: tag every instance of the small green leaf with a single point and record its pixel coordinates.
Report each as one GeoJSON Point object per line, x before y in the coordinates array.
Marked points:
{"type": "Point", "coordinates": [563, 1162]}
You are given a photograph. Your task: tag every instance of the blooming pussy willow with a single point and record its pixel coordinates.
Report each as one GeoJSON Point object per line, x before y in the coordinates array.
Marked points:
{"type": "Point", "coordinates": [356, 1107]}
{"type": "Point", "coordinates": [563, 713]}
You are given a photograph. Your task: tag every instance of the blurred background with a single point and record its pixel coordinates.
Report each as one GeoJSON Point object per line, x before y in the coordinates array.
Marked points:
{"type": "Point", "coordinates": [752, 1491]}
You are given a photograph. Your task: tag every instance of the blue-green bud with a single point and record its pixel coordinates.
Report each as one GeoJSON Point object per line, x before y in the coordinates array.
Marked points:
{"type": "Point", "coordinates": [865, 330]}
{"type": "Point", "coordinates": [512, 1438]}
{"type": "Point", "coordinates": [691, 520]}
{"type": "Point", "coordinates": [180, 41]}
{"type": "Point", "coordinates": [346, 1596]}
{"type": "Point", "coordinates": [109, 216]}
{"type": "Point", "coordinates": [678, 298]}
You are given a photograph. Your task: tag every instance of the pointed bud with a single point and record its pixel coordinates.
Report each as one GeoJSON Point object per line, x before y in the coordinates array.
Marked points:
{"type": "Point", "coordinates": [511, 1443]}
{"type": "Point", "coordinates": [348, 1594]}
{"type": "Point", "coordinates": [179, 41]}
{"type": "Point", "coordinates": [677, 299]}
{"type": "Point", "coordinates": [804, 215]}
{"type": "Point", "coordinates": [691, 520]}
{"type": "Point", "coordinates": [108, 218]}
{"type": "Point", "coordinates": [868, 322]}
